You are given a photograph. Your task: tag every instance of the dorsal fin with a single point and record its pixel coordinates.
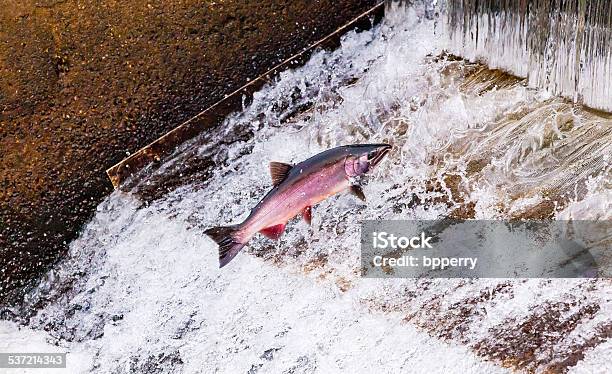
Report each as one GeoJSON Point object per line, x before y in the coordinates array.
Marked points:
{"type": "Point", "coordinates": [279, 171]}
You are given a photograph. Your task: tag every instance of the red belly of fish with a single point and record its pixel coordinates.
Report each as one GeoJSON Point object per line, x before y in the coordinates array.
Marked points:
{"type": "Point", "coordinates": [294, 198]}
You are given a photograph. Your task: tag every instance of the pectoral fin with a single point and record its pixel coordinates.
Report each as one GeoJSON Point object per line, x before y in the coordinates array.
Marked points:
{"type": "Point", "coordinates": [274, 232]}
{"type": "Point", "coordinates": [307, 214]}
{"type": "Point", "coordinates": [357, 191]}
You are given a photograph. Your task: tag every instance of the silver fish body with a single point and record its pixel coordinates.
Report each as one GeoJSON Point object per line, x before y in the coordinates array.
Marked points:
{"type": "Point", "coordinates": [296, 189]}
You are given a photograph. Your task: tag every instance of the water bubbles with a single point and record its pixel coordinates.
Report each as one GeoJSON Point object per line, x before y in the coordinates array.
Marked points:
{"type": "Point", "coordinates": [141, 286]}
{"type": "Point", "coordinates": [563, 47]}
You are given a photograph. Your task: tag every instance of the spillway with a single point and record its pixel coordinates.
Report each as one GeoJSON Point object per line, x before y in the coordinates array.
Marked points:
{"type": "Point", "coordinates": [140, 290]}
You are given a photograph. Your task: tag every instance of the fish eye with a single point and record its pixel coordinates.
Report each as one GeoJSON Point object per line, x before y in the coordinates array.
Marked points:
{"type": "Point", "coordinates": [372, 155]}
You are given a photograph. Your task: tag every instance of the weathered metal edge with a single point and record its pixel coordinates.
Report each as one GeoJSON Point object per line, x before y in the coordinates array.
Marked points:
{"type": "Point", "coordinates": [215, 114]}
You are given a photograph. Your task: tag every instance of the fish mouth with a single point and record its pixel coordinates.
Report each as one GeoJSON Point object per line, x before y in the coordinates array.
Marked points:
{"type": "Point", "coordinates": [375, 157]}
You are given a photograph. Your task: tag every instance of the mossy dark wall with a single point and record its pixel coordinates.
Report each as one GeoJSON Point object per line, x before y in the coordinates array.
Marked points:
{"type": "Point", "coordinates": [84, 82]}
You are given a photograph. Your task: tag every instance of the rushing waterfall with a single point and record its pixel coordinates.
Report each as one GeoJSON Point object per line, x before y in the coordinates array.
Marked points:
{"type": "Point", "coordinates": [564, 46]}
{"type": "Point", "coordinates": [141, 290]}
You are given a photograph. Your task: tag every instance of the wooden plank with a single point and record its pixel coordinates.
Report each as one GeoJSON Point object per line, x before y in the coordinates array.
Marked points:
{"type": "Point", "coordinates": [215, 114]}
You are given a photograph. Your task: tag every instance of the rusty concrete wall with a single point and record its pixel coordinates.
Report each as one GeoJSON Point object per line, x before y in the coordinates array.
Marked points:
{"type": "Point", "coordinates": [83, 82]}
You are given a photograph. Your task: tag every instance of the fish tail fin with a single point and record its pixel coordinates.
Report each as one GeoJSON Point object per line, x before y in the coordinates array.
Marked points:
{"type": "Point", "coordinates": [228, 240]}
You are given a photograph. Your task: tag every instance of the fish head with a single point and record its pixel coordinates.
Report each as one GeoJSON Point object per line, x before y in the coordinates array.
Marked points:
{"type": "Point", "coordinates": [363, 158]}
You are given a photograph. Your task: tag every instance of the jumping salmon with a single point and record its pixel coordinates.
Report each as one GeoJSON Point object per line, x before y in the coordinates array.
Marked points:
{"type": "Point", "coordinates": [296, 189]}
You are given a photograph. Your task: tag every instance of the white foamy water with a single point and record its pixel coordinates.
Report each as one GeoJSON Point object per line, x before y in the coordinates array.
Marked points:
{"type": "Point", "coordinates": [563, 46]}
{"type": "Point", "coordinates": [141, 290]}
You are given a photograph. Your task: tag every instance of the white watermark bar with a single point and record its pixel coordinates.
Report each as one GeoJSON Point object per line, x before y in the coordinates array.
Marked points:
{"type": "Point", "coordinates": [486, 249]}
{"type": "Point", "coordinates": [32, 360]}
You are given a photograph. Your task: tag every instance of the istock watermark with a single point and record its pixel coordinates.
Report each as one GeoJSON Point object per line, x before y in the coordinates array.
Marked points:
{"type": "Point", "coordinates": [385, 240]}
{"type": "Point", "coordinates": [486, 249]}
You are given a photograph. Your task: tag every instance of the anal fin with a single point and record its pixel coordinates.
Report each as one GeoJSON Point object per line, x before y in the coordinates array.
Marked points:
{"type": "Point", "coordinates": [274, 232]}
